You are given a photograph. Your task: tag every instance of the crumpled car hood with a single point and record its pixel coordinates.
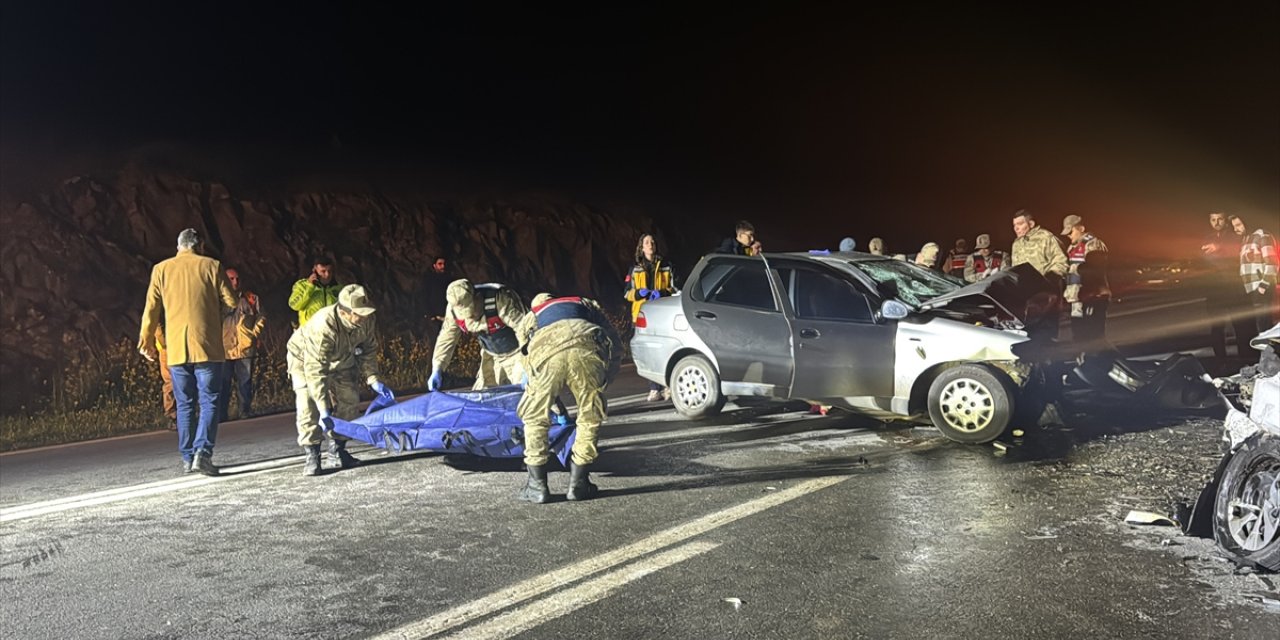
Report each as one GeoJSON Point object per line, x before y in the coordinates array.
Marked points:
{"type": "Point", "coordinates": [1016, 291]}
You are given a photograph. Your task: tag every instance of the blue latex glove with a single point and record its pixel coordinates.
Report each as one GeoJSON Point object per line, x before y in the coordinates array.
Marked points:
{"type": "Point", "coordinates": [326, 421]}
{"type": "Point", "coordinates": [433, 383]}
{"type": "Point", "coordinates": [561, 420]}
{"type": "Point", "coordinates": [655, 294]}
{"type": "Point", "coordinates": [383, 390]}
{"type": "Point", "coordinates": [642, 293]}
{"type": "Point", "coordinates": [524, 381]}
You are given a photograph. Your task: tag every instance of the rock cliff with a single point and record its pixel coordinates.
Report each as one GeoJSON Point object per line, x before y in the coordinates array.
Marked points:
{"type": "Point", "coordinates": [76, 256]}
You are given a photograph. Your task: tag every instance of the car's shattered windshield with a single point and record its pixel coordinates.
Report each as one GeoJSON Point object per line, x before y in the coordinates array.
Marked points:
{"type": "Point", "coordinates": [905, 281]}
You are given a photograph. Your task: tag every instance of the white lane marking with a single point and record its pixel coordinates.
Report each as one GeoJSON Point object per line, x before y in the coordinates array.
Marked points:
{"type": "Point", "coordinates": [107, 496]}
{"type": "Point", "coordinates": [565, 602]}
{"type": "Point", "coordinates": [534, 587]}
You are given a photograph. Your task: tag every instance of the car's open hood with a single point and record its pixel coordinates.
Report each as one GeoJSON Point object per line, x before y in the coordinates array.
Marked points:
{"type": "Point", "coordinates": [1011, 290]}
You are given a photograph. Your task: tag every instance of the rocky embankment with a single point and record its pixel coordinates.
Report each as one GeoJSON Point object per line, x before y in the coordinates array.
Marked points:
{"type": "Point", "coordinates": [76, 255]}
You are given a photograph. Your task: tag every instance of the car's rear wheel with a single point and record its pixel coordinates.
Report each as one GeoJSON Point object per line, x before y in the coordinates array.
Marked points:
{"type": "Point", "coordinates": [1246, 515]}
{"type": "Point", "coordinates": [969, 403]}
{"type": "Point", "coordinates": [695, 388]}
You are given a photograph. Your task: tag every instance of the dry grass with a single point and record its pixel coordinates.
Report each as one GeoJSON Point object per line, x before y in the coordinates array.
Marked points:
{"type": "Point", "coordinates": [118, 393]}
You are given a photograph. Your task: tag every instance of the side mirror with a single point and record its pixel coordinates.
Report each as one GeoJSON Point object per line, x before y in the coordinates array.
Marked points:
{"type": "Point", "coordinates": [893, 310]}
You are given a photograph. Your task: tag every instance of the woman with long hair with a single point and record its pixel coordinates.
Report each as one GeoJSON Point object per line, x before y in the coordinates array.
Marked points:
{"type": "Point", "coordinates": [650, 279]}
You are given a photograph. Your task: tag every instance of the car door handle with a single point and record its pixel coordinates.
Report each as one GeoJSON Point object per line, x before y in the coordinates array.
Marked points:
{"type": "Point", "coordinates": [810, 333]}
{"type": "Point", "coordinates": [705, 315]}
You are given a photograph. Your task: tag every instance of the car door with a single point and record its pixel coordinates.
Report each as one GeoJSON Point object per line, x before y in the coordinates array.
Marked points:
{"type": "Point", "coordinates": [841, 348]}
{"type": "Point", "coordinates": [733, 309]}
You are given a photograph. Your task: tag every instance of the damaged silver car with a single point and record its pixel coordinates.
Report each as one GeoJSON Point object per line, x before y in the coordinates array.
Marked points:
{"type": "Point", "coordinates": [1246, 488]}
{"type": "Point", "coordinates": [865, 333]}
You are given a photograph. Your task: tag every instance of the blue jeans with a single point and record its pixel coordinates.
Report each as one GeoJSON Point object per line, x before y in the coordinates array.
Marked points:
{"type": "Point", "coordinates": [197, 424]}
{"type": "Point", "coordinates": [241, 369]}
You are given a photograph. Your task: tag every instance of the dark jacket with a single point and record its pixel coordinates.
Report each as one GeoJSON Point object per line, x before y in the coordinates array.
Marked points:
{"type": "Point", "coordinates": [731, 245]}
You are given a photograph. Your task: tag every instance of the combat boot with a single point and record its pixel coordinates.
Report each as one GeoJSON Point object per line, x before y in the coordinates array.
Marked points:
{"type": "Point", "coordinates": [312, 466]}
{"type": "Point", "coordinates": [535, 490]}
{"type": "Point", "coordinates": [338, 453]}
{"type": "Point", "coordinates": [580, 487]}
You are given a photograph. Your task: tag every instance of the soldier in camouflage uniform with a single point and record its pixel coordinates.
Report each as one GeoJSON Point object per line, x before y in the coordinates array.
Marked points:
{"type": "Point", "coordinates": [569, 342]}
{"type": "Point", "coordinates": [1087, 290]}
{"type": "Point", "coordinates": [1038, 247]}
{"type": "Point", "coordinates": [490, 312]}
{"type": "Point", "coordinates": [329, 357]}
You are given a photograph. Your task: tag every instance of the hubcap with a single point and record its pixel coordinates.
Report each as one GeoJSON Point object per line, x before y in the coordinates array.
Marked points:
{"type": "Point", "coordinates": [1253, 515]}
{"type": "Point", "coordinates": [967, 405]}
{"type": "Point", "coordinates": [692, 387]}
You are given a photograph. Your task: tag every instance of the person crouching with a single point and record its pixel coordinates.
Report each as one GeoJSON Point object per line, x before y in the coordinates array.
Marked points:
{"type": "Point", "coordinates": [328, 357]}
{"type": "Point", "coordinates": [572, 344]}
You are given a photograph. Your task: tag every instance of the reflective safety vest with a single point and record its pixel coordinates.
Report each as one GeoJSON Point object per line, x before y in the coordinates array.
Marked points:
{"type": "Point", "coordinates": [1075, 257]}
{"type": "Point", "coordinates": [498, 338]}
{"type": "Point", "coordinates": [557, 309]}
{"type": "Point", "coordinates": [980, 264]}
{"type": "Point", "coordinates": [956, 263]}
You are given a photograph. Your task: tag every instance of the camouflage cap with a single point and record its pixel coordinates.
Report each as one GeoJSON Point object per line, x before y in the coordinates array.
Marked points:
{"type": "Point", "coordinates": [354, 299]}
{"type": "Point", "coordinates": [460, 293]}
{"type": "Point", "coordinates": [983, 242]}
{"type": "Point", "coordinates": [1069, 223]}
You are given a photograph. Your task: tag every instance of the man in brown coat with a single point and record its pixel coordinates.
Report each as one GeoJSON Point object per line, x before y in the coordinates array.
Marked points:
{"type": "Point", "coordinates": [193, 294]}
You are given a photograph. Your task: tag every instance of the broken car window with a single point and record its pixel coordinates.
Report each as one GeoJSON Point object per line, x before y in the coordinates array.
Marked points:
{"type": "Point", "coordinates": [907, 282]}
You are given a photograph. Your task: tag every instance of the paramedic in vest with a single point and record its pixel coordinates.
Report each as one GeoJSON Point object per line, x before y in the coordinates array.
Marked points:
{"type": "Point", "coordinates": [957, 258]}
{"type": "Point", "coordinates": [1087, 291]}
{"type": "Point", "coordinates": [569, 342]}
{"type": "Point", "coordinates": [490, 312]}
{"type": "Point", "coordinates": [650, 279]}
{"type": "Point", "coordinates": [316, 291]}
{"type": "Point", "coordinates": [329, 358]}
{"type": "Point", "coordinates": [983, 262]}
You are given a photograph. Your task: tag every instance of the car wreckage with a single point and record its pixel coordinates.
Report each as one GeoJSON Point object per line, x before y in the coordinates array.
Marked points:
{"type": "Point", "coordinates": [865, 333]}
{"type": "Point", "coordinates": [1245, 489]}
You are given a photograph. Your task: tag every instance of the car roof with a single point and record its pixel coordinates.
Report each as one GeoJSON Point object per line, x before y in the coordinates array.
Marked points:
{"type": "Point", "coordinates": [836, 256]}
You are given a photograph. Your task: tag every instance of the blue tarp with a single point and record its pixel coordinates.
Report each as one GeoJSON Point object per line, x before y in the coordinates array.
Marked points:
{"type": "Point", "coordinates": [481, 423]}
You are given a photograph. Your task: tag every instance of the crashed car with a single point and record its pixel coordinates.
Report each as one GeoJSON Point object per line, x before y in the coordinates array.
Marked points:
{"type": "Point", "coordinates": [865, 333]}
{"type": "Point", "coordinates": [1246, 487]}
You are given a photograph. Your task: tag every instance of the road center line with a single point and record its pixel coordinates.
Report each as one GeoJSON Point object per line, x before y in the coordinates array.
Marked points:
{"type": "Point", "coordinates": [565, 602]}
{"type": "Point", "coordinates": [534, 587]}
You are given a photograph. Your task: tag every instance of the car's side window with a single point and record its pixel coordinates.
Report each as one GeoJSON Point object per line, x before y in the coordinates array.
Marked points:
{"type": "Point", "coordinates": [823, 296]}
{"type": "Point", "coordinates": [744, 285]}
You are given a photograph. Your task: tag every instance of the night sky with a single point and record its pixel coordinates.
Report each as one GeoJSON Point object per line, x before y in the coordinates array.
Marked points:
{"type": "Point", "coordinates": [926, 124]}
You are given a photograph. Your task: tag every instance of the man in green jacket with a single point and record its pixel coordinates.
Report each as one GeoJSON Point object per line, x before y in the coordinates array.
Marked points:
{"type": "Point", "coordinates": [1039, 248]}
{"type": "Point", "coordinates": [316, 291]}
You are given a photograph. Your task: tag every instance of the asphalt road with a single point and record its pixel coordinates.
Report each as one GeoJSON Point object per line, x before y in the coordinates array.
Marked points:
{"type": "Point", "coordinates": [766, 522]}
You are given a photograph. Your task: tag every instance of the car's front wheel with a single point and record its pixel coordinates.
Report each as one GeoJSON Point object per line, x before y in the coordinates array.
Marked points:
{"type": "Point", "coordinates": [1246, 516]}
{"type": "Point", "coordinates": [695, 388]}
{"type": "Point", "coordinates": [969, 403]}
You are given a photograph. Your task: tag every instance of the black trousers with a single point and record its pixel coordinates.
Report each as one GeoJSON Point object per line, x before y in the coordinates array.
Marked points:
{"type": "Point", "coordinates": [1092, 327]}
{"type": "Point", "coordinates": [1230, 307]}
